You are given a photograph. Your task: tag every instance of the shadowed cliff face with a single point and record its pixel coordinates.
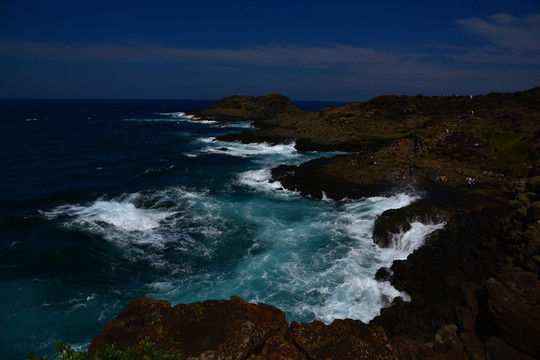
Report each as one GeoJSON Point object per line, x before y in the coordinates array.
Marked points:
{"type": "Point", "coordinates": [475, 285]}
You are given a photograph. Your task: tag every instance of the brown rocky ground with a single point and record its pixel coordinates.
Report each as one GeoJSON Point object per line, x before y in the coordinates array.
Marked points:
{"type": "Point", "coordinates": [474, 286]}
{"type": "Point", "coordinates": [236, 329]}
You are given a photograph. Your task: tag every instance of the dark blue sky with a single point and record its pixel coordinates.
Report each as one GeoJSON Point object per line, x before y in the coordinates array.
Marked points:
{"type": "Point", "coordinates": [307, 50]}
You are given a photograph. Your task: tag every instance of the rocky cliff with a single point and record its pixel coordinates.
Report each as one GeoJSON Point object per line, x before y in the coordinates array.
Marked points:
{"type": "Point", "coordinates": [475, 289]}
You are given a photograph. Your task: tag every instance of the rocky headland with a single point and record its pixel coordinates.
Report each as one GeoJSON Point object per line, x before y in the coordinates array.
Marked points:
{"type": "Point", "coordinates": [474, 285]}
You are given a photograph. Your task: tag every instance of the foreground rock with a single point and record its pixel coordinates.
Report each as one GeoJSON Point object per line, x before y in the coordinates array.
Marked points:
{"type": "Point", "coordinates": [209, 330]}
{"type": "Point", "coordinates": [236, 329]}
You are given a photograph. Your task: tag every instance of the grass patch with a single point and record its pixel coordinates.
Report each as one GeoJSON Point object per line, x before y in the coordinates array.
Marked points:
{"type": "Point", "coordinates": [514, 147]}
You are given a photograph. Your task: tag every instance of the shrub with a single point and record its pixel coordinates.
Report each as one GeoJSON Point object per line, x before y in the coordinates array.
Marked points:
{"type": "Point", "coordinates": [149, 352]}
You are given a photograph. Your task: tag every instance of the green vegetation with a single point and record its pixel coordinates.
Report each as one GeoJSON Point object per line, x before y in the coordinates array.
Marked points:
{"type": "Point", "coordinates": [149, 352]}
{"type": "Point", "coordinates": [514, 147]}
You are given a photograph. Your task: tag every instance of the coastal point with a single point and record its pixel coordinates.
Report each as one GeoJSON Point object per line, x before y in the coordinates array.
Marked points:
{"type": "Point", "coordinates": [474, 285]}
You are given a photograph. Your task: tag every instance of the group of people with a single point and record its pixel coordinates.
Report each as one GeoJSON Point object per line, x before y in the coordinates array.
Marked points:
{"type": "Point", "coordinates": [396, 144]}
{"type": "Point", "coordinates": [361, 156]}
{"type": "Point", "coordinates": [441, 178]}
{"type": "Point", "coordinates": [471, 182]}
{"type": "Point", "coordinates": [401, 174]}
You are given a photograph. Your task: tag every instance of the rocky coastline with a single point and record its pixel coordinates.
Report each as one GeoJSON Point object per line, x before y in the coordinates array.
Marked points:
{"type": "Point", "coordinates": [474, 285]}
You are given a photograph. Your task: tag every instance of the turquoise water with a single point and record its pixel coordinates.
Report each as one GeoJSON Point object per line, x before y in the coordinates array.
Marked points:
{"type": "Point", "coordinates": [105, 201]}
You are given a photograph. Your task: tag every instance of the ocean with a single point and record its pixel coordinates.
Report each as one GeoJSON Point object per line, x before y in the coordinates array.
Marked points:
{"type": "Point", "coordinates": [102, 201]}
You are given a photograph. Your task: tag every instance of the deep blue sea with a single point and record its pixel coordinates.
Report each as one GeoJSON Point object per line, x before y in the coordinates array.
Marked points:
{"type": "Point", "coordinates": [102, 201]}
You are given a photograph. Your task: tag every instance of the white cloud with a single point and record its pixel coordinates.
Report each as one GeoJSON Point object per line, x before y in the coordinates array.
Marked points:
{"type": "Point", "coordinates": [508, 40]}
{"type": "Point", "coordinates": [510, 43]}
{"type": "Point", "coordinates": [511, 39]}
{"type": "Point", "coordinates": [347, 58]}
{"type": "Point", "coordinates": [286, 56]}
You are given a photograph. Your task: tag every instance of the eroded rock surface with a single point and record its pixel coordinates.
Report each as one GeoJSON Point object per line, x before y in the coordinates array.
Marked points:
{"type": "Point", "coordinates": [236, 329]}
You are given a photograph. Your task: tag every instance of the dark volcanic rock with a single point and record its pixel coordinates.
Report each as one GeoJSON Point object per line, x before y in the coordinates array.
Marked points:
{"type": "Point", "coordinates": [390, 223]}
{"type": "Point", "coordinates": [452, 281]}
{"type": "Point", "coordinates": [262, 107]}
{"type": "Point", "coordinates": [277, 348]}
{"type": "Point", "coordinates": [321, 177]}
{"type": "Point", "coordinates": [243, 107]}
{"type": "Point", "coordinates": [208, 330]}
{"type": "Point", "coordinates": [343, 339]}
{"type": "Point", "coordinates": [511, 305]}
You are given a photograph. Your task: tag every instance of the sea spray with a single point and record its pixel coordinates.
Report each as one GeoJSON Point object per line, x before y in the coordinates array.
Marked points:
{"type": "Point", "coordinates": [410, 240]}
{"type": "Point", "coordinates": [250, 150]}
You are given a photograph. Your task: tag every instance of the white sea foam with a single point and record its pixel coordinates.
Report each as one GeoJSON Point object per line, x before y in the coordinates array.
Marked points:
{"type": "Point", "coordinates": [325, 197]}
{"type": "Point", "coordinates": [261, 180]}
{"type": "Point", "coordinates": [143, 218]}
{"type": "Point", "coordinates": [178, 116]}
{"type": "Point", "coordinates": [249, 150]}
{"type": "Point", "coordinates": [358, 297]}
{"type": "Point", "coordinates": [360, 215]}
{"type": "Point", "coordinates": [206, 139]}
{"type": "Point", "coordinates": [152, 120]}
{"type": "Point", "coordinates": [236, 125]}
{"type": "Point", "coordinates": [123, 215]}
{"type": "Point", "coordinates": [412, 239]}
{"type": "Point", "coordinates": [340, 277]}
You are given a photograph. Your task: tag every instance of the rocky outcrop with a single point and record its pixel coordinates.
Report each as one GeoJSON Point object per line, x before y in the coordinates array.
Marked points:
{"type": "Point", "coordinates": [249, 108]}
{"type": "Point", "coordinates": [474, 286]}
{"type": "Point", "coordinates": [479, 277]}
{"type": "Point", "coordinates": [236, 329]}
{"type": "Point", "coordinates": [510, 305]}
{"type": "Point", "coordinates": [209, 330]}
